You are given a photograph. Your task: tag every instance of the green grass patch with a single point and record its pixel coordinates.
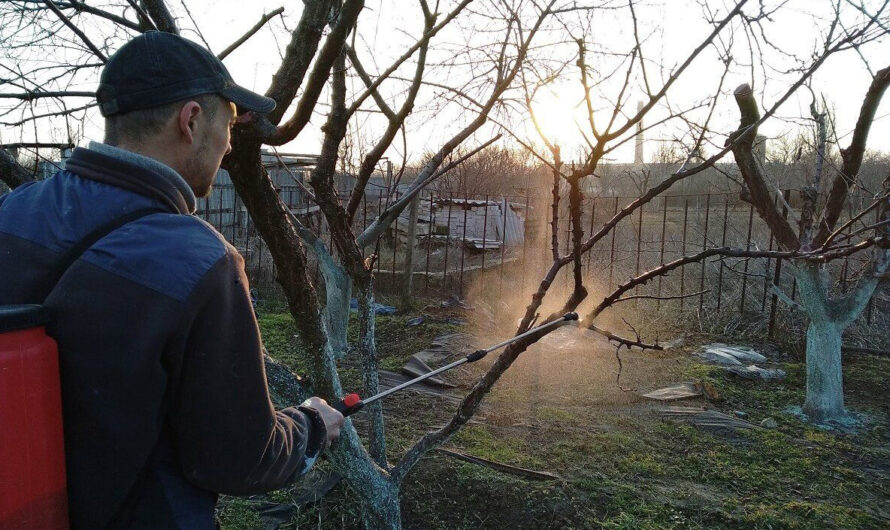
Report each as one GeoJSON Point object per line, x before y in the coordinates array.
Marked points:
{"type": "Point", "coordinates": [621, 468]}
{"type": "Point", "coordinates": [396, 341]}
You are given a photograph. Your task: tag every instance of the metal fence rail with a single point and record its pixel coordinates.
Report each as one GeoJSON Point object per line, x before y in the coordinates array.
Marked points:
{"type": "Point", "coordinates": [447, 261]}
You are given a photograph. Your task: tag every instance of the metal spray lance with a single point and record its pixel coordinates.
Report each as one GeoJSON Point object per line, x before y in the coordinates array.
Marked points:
{"type": "Point", "coordinates": [352, 403]}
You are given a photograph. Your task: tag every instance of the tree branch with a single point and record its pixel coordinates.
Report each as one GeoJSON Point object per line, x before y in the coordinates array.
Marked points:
{"type": "Point", "coordinates": [30, 96]}
{"type": "Point", "coordinates": [761, 197]}
{"type": "Point", "coordinates": [265, 18]}
{"type": "Point", "coordinates": [161, 16]}
{"type": "Point", "coordinates": [297, 58]}
{"type": "Point", "coordinates": [852, 156]}
{"type": "Point", "coordinates": [11, 172]}
{"type": "Point", "coordinates": [67, 21]}
{"type": "Point", "coordinates": [396, 120]}
{"type": "Point", "coordinates": [146, 22]}
{"type": "Point", "coordinates": [676, 75]}
{"type": "Point", "coordinates": [321, 71]}
{"type": "Point", "coordinates": [429, 169]}
{"type": "Point", "coordinates": [629, 343]}
{"type": "Point", "coordinates": [395, 209]}
{"type": "Point", "coordinates": [82, 7]}
{"type": "Point", "coordinates": [408, 53]}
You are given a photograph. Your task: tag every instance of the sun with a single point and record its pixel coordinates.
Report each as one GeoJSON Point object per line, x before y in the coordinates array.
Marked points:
{"type": "Point", "coordinates": [556, 117]}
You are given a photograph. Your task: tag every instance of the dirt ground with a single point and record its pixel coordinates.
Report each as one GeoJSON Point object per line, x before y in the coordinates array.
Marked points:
{"type": "Point", "coordinates": [560, 410]}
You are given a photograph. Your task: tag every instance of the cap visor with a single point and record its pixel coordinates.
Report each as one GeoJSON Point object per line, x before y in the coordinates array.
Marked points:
{"type": "Point", "coordinates": [248, 100]}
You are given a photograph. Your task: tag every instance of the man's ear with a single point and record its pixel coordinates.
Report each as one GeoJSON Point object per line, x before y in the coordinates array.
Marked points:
{"type": "Point", "coordinates": [188, 114]}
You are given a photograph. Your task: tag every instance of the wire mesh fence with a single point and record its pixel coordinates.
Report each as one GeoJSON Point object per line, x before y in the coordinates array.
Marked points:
{"type": "Point", "coordinates": [498, 247]}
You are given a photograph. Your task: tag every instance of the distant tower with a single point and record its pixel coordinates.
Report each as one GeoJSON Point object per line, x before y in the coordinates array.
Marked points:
{"type": "Point", "coordinates": [638, 146]}
{"type": "Point", "coordinates": [760, 148]}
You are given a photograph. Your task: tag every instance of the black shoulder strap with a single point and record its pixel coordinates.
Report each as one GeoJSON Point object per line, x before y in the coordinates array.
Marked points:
{"type": "Point", "coordinates": [90, 239]}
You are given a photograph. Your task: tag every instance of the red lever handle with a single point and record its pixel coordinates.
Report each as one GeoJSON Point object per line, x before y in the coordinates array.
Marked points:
{"type": "Point", "coordinates": [349, 404]}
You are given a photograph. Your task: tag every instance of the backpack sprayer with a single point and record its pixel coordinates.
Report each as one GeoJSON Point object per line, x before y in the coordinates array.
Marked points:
{"type": "Point", "coordinates": [352, 403]}
{"type": "Point", "coordinates": [32, 453]}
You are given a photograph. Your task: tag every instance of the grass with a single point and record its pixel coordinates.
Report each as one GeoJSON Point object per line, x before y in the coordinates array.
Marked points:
{"type": "Point", "coordinates": [620, 469]}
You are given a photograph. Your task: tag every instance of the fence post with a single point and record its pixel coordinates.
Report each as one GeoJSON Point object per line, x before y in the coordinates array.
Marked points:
{"type": "Point", "coordinates": [395, 247]}
{"type": "Point", "coordinates": [463, 249]}
{"type": "Point", "coordinates": [683, 252]}
{"type": "Point", "coordinates": [590, 232]}
{"type": "Point", "coordinates": [704, 245]}
{"type": "Point", "coordinates": [745, 271]}
{"type": "Point", "coordinates": [429, 243]}
{"type": "Point", "coordinates": [503, 246]}
{"type": "Point", "coordinates": [524, 238]}
{"type": "Point", "coordinates": [766, 271]}
{"type": "Point", "coordinates": [484, 236]}
{"type": "Point", "coordinates": [777, 275]}
{"type": "Point", "coordinates": [664, 214]}
{"type": "Point", "coordinates": [447, 241]}
{"type": "Point", "coordinates": [377, 243]}
{"type": "Point", "coordinates": [612, 248]}
{"type": "Point", "coordinates": [869, 309]}
{"type": "Point", "coordinates": [409, 249]}
{"type": "Point", "coordinates": [722, 244]}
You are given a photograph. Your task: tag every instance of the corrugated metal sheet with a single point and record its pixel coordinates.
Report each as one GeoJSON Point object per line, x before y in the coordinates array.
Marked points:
{"type": "Point", "coordinates": [499, 221]}
{"type": "Point", "coordinates": [512, 225]}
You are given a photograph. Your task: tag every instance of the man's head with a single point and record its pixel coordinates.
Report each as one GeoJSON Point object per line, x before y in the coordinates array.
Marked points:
{"type": "Point", "coordinates": [169, 98]}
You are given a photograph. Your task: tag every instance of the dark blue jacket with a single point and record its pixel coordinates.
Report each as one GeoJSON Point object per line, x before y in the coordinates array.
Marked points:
{"type": "Point", "coordinates": [163, 385]}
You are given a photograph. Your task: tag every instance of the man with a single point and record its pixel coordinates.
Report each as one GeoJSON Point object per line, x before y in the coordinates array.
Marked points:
{"type": "Point", "coordinates": [163, 386]}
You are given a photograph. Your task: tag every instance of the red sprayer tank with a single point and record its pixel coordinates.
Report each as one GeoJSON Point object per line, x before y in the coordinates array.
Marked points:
{"type": "Point", "coordinates": [32, 454]}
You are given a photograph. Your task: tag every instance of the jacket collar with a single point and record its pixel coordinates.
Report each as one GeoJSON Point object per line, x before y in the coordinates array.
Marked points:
{"type": "Point", "coordinates": [133, 172]}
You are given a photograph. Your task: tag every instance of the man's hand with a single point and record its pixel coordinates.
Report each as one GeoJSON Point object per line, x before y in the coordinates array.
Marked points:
{"type": "Point", "coordinates": [333, 420]}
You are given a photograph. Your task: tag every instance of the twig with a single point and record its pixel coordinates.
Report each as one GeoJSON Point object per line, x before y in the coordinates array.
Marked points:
{"type": "Point", "coordinates": [620, 369]}
{"type": "Point", "coordinates": [265, 18]}
{"type": "Point", "coordinates": [628, 343]}
{"type": "Point", "coordinates": [29, 95]}
{"type": "Point", "coordinates": [294, 177]}
{"type": "Point", "coordinates": [655, 297]}
{"type": "Point", "coordinates": [52, 6]}
{"type": "Point", "coordinates": [142, 14]}
{"type": "Point", "coordinates": [37, 145]}
{"type": "Point", "coordinates": [503, 468]}
{"type": "Point", "coordinates": [780, 294]}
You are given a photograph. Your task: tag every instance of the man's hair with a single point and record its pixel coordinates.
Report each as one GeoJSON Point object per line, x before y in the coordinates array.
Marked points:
{"type": "Point", "coordinates": [138, 125]}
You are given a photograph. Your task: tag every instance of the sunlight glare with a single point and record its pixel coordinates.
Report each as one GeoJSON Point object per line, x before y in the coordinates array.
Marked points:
{"type": "Point", "coordinates": [557, 118]}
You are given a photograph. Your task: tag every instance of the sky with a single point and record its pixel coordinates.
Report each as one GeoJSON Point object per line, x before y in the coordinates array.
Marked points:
{"type": "Point", "coordinates": [669, 29]}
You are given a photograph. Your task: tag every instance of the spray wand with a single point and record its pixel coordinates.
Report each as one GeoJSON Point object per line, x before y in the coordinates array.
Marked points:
{"type": "Point", "coordinates": [352, 403]}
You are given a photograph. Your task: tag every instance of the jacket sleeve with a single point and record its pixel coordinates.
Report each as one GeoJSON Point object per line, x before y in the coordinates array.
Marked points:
{"type": "Point", "coordinates": [230, 438]}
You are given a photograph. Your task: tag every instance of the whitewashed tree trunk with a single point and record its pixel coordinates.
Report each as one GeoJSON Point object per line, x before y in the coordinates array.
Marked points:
{"type": "Point", "coordinates": [376, 491]}
{"type": "Point", "coordinates": [338, 293]}
{"type": "Point", "coordinates": [825, 383]}
{"type": "Point", "coordinates": [829, 317]}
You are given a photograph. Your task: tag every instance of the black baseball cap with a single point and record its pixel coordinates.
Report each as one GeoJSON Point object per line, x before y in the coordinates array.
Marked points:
{"type": "Point", "coordinates": [157, 68]}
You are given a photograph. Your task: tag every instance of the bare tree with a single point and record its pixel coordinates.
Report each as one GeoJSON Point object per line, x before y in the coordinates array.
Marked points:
{"type": "Point", "coordinates": [11, 171]}
{"type": "Point", "coordinates": [319, 60]}
{"type": "Point", "coordinates": [818, 230]}
{"type": "Point", "coordinates": [315, 64]}
{"type": "Point", "coordinates": [496, 171]}
{"type": "Point", "coordinates": [819, 242]}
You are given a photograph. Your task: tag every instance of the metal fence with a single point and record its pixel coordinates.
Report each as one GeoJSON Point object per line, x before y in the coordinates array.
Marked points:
{"type": "Point", "coordinates": [449, 259]}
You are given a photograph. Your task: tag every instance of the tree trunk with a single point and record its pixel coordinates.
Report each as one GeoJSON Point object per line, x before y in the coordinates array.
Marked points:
{"type": "Point", "coordinates": [825, 383]}
{"type": "Point", "coordinates": [829, 317]}
{"type": "Point", "coordinates": [338, 293]}
{"type": "Point", "coordinates": [409, 255]}
{"type": "Point", "coordinates": [374, 490]}
{"type": "Point", "coordinates": [384, 511]}
{"type": "Point", "coordinates": [825, 387]}
{"type": "Point", "coordinates": [370, 378]}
